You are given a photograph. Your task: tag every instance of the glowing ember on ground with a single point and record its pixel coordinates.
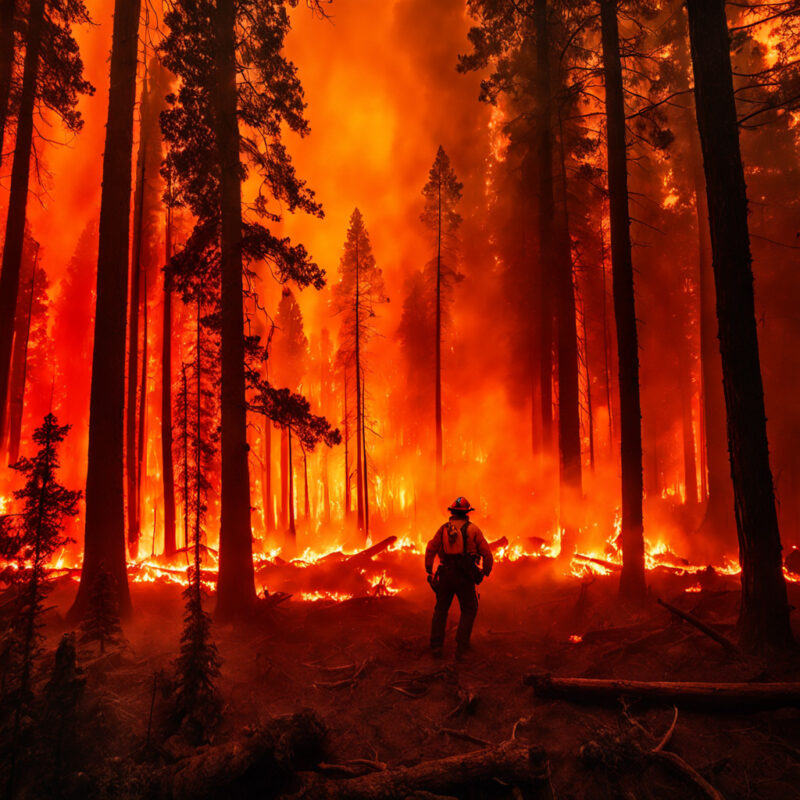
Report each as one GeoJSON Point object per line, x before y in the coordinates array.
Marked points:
{"type": "Point", "coordinates": [575, 638]}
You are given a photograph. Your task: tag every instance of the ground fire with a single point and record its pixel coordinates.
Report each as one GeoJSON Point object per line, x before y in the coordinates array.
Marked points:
{"type": "Point", "coordinates": [284, 283]}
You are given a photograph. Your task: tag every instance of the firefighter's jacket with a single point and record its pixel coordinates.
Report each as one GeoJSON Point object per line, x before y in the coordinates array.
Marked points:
{"type": "Point", "coordinates": [445, 543]}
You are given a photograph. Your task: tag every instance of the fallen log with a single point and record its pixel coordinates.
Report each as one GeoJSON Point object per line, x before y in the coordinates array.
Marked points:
{"type": "Point", "coordinates": [511, 761]}
{"type": "Point", "coordinates": [713, 696]}
{"type": "Point", "coordinates": [371, 552]}
{"type": "Point", "coordinates": [264, 759]}
{"type": "Point", "coordinates": [601, 562]}
{"type": "Point", "coordinates": [501, 542]}
{"type": "Point", "coordinates": [701, 626]}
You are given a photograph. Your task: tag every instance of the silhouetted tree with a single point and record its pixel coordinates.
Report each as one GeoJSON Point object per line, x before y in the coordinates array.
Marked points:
{"type": "Point", "coordinates": [31, 537]}
{"type": "Point", "coordinates": [764, 616]}
{"type": "Point", "coordinates": [209, 45]}
{"type": "Point", "coordinates": [442, 193]}
{"type": "Point", "coordinates": [632, 580]}
{"type": "Point", "coordinates": [356, 296]}
{"type": "Point", "coordinates": [104, 540]}
{"type": "Point", "coordinates": [52, 77]}
{"type": "Point", "coordinates": [101, 623]}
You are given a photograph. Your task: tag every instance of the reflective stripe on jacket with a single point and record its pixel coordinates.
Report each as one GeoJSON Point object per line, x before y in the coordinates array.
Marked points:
{"type": "Point", "coordinates": [445, 543]}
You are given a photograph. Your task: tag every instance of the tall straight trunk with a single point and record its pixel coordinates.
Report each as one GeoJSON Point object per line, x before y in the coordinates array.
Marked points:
{"type": "Point", "coordinates": [589, 408]}
{"type": "Point", "coordinates": [359, 409]}
{"type": "Point", "coordinates": [131, 460]}
{"type": "Point", "coordinates": [167, 466]}
{"type": "Point", "coordinates": [104, 541]}
{"type": "Point", "coordinates": [18, 201]}
{"type": "Point", "coordinates": [364, 458]}
{"type": "Point", "coordinates": [632, 580]}
{"type": "Point", "coordinates": [438, 390]}
{"type": "Point", "coordinates": [236, 590]}
{"type": "Point", "coordinates": [569, 420]}
{"type": "Point", "coordinates": [292, 530]}
{"type": "Point", "coordinates": [185, 456]}
{"type": "Point", "coordinates": [348, 492]}
{"type": "Point", "coordinates": [141, 457]}
{"type": "Point", "coordinates": [307, 504]}
{"type": "Point", "coordinates": [7, 10]}
{"type": "Point", "coordinates": [266, 465]}
{"type": "Point", "coordinates": [198, 434]}
{"type": "Point", "coordinates": [687, 429]}
{"type": "Point", "coordinates": [284, 479]}
{"type": "Point", "coordinates": [764, 615]}
{"type": "Point", "coordinates": [326, 487]}
{"type": "Point", "coordinates": [606, 341]}
{"type": "Point", "coordinates": [719, 517]}
{"type": "Point", "coordinates": [19, 371]}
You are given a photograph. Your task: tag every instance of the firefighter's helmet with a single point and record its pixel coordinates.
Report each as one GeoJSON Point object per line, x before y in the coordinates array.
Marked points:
{"type": "Point", "coordinates": [461, 504]}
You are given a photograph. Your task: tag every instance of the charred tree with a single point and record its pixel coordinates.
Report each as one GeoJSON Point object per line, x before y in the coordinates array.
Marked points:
{"type": "Point", "coordinates": [764, 615]}
{"type": "Point", "coordinates": [356, 297]}
{"type": "Point", "coordinates": [131, 460]}
{"type": "Point", "coordinates": [556, 259]}
{"type": "Point", "coordinates": [52, 76]}
{"type": "Point", "coordinates": [632, 580]}
{"type": "Point", "coordinates": [7, 51]}
{"type": "Point", "coordinates": [236, 587]}
{"type": "Point", "coordinates": [18, 198]}
{"type": "Point", "coordinates": [442, 193]}
{"type": "Point", "coordinates": [167, 465]}
{"type": "Point", "coordinates": [104, 540]}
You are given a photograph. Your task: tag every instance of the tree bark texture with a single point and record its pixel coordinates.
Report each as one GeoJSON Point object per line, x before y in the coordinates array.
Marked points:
{"type": "Point", "coordinates": [764, 615]}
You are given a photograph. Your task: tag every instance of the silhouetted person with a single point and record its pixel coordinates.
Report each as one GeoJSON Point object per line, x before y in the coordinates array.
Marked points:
{"type": "Point", "coordinates": [459, 545]}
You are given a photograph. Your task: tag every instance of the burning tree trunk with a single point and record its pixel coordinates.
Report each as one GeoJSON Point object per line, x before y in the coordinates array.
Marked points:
{"type": "Point", "coordinates": [167, 467]}
{"type": "Point", "coordinates": [236, 588]}
{"type": "Point", "coordinates": [7, 47]}
{"type": "Point", "coordinates": [19, 363]}
{"type": "Point", "coordinates": [18, 199]}
{"type": "Point", "coordinates": [291, 530]}
{"type": "Point", "coordinates": [104, 540]}
{"type": "Point", "coordinates": [284, 480]}
{"type": "Point", "coordinates": [141, 459]}
{"type": "Point", "coordinates": [764, 617]}
{"type": "Point", "coordinates": [555, 251]}
{"type": "Point", "coordinates": [687, 430]}
{"type": "Point", "coordinates": [632, 581]}
{"type": "Point", "coordinates": [131, 461]}
{"type": "Point", "coordinates": [720, 496]}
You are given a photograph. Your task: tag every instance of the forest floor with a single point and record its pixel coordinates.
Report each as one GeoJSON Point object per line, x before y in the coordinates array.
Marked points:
{"type": "Point", "coordinates": [364, 666]}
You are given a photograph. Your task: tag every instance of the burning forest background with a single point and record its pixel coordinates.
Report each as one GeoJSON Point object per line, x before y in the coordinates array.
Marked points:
{"type": "Point", "coordinates": [295, 275]}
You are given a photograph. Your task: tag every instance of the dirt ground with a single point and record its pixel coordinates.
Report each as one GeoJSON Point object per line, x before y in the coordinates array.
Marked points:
{"type": "Point", "coordinates": [364, 666]}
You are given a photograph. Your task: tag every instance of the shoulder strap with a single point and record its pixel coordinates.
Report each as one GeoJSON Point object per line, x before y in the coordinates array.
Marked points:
{"type": "Point", "coordinates": [464, 528]}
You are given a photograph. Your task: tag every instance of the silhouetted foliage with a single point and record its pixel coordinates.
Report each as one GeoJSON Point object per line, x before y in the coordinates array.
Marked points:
{"type": "Point", "coordinates": [101, 623]}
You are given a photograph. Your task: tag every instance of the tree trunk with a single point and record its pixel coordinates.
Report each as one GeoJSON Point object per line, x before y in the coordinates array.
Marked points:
{"type": "Point", "coordinates": [185, 457]}
{"type": "Point", "coordinates": [284, 479]}
{"type": "Point", "coordinates": [364, 458]}
{"type": "Point", "coordinates": [606, 341]}
{"type": "Point", "coordinates": [292, 530]}
{"type": "Point", "coordinates": [556, 246]}
{"type": "Point", "coordinates": [18, 200]}
{"type": "Point", "coordinates": [131, 461]}
{"type": "Point", "coordinates": [511, 762]}
{"type": "Point", "coordinates": [632, 580]}
{"type": "Point", "coordinates": [167, 467]}
{"type": "Point", "coordinates": [141, 444]}
{"type": "Point", "coordinates": [719, 515]}
{"type": "Point", "coordinates": [105, 507]}
{"type": "Point", "coordinates": [7, 47]}
{"type": "Point", "coordinates": [714, 696]}
{"type": "Point", "coordinates": [348, 492]}
{"type": "Point", "coordinates": [359, 410]}
{"type": "Point", "coordinates": [19, 366]}
{"type": "Point", "coordinates": [236, 591]}
{"type": "Point", "coordinates": [764, 616]}
{"type": "Point", "coordinates": [438, 350]}
{"type": "Point", "coordinates": [307, 504]}
{"type": "Point", "coordinates": [687, 429]}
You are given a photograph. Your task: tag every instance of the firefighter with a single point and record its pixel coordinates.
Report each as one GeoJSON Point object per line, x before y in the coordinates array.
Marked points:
{"type": "Point", "coordinates": [460, 546]}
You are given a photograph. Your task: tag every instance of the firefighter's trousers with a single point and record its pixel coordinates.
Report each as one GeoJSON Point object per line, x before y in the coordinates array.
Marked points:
{"type": "Point", "coordinates": [453, 582]}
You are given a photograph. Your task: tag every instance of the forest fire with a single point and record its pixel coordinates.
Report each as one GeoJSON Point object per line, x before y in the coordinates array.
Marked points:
{"type": "Point", "coordinates": [319, 319]}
